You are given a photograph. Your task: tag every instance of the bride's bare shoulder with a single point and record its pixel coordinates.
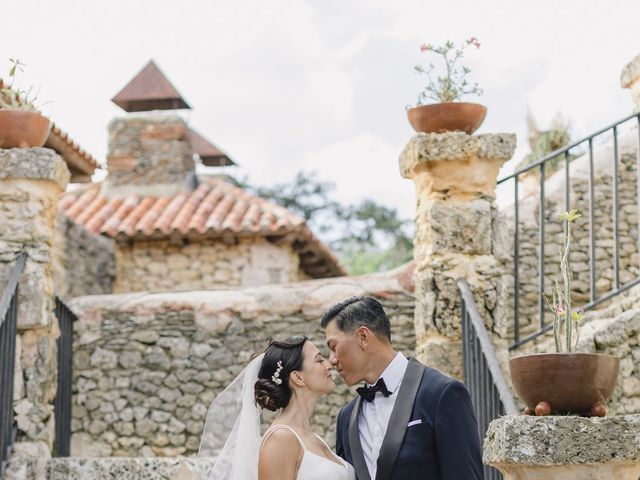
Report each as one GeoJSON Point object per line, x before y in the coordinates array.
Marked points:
{"type": "Point", "coordinates": [282, 439]}
{"type": "Point", "coordinates": [280, 455]}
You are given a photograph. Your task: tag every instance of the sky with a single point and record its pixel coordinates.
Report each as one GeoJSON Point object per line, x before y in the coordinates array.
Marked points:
{"type": "Point", "coordinates": [322, 86]}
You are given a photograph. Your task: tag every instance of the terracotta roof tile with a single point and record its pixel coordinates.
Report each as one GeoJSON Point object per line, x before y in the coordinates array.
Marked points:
{"type": "Point", "coordinates": [81, 164]}
{"type": "Point", "coordinates": [103, 214]}
{"type": "Point", "coordinates": [80, 205]}
{"type": "Point", "coordinates": [92, 207]}
{"type": "Point", "coordinates": [128, 225]}
{"type": "Point", "coordinates": [215, 208]}
{"type": "Point", "coordinates": [148, 221]}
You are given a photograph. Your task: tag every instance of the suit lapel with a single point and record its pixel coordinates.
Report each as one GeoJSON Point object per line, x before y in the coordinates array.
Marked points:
{"type": "Point", "coordinates": [359, 464]}
{"type": "Point", "coordinates": [400, 416]}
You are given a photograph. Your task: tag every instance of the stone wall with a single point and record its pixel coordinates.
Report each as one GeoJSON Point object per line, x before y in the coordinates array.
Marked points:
{"type": "Point", "coordinates": [147, 366]}
{"type": "Point", "coordinates": [83, 263]}
{"type": "Point", "coordinates": [459, 234]}
{"type": "Point", "coordinates": [31, 181]}
{"type": "Point", "coordinates": [529, 227]}
{"type": "Point", "coordinates": [146, 152]}
{"type": "Point", "coordinates": [162, 265]}
{"type": "Point", "coordinates": [118, 467]}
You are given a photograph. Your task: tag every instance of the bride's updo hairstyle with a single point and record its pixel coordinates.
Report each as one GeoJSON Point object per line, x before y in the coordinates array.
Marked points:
{"type": "Point", "coordinates": [282, 357]}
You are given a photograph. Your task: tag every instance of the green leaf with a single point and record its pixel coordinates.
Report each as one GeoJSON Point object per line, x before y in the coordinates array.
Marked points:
{"type": "Point", "coordinates": [571, 215]}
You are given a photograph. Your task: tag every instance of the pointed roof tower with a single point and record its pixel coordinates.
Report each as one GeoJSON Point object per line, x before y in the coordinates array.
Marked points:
{"type": "Point", "coordinates": [210, 155]}
{"type": "Point", "coordinates": [149, 90]}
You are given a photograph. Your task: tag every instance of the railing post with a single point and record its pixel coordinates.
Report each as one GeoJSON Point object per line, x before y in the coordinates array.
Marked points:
{"type": "Point", "coordinates": [31, 181]}
{"type": "Point", "coordinates": [458, 233]}
{"type": "Point", "coordinates": [8, 322]}
{"type": "Point", "coordinates": [63, 399]}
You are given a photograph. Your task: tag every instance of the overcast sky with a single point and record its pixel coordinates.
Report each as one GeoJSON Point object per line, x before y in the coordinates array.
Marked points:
{"type": "Point", "coordinates": [285, 85]}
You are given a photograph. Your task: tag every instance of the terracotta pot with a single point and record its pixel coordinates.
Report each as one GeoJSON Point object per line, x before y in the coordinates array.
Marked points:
{"type": "Point", "coordinates": [22, 128]}
{"type": "Point", "coordinates": [447, 117]}
{"type": "Point", "coordinates": [569, 382]}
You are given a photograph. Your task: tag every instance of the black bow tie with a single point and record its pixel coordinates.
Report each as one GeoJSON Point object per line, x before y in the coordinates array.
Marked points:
{"type": "Point", "coordinates": [369, 393]}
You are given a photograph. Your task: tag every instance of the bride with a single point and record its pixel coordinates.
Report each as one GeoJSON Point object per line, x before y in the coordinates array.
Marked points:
{"type": "Point", "coordinates": [289, 376]}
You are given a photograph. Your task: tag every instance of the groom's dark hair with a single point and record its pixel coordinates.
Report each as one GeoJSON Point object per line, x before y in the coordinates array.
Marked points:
{"type": "Point", "coordinates": [357, 311]}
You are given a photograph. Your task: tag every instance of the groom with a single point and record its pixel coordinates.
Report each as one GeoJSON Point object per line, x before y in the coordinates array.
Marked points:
{"type": "Point", "coordinates": [409, 421]}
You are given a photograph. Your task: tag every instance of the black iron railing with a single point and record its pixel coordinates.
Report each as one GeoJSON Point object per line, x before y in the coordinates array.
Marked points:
{"type": "Point", "coordinates": [8, 325]}
{"type": "Point", "coordinates": [62, 405]}
{"type": "Point", "coordinates": [565, 156]}
{"type": "Point", "coordinates": [490, 394]}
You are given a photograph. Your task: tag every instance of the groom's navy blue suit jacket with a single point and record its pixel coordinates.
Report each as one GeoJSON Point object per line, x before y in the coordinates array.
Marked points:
{"type": "Point", "coordinates": [441, 444]}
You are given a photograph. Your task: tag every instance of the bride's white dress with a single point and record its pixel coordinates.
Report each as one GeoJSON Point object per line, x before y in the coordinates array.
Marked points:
{"type": "Point", "coordinates": [317, 467]}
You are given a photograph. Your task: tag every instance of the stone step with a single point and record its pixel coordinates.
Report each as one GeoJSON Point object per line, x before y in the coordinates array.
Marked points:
{"type": "Point", "coordinates": [157, 468]}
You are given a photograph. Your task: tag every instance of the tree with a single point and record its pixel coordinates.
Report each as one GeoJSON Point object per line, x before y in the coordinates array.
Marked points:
{"type": "Point", "coordinates": [367, 237]}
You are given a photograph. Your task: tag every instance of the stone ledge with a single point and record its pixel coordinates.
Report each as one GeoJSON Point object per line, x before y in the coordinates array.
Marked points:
{"type": "Point", "coordinates": [166, 468]}
{"type": "Point", "coordinates": [630, 73]}
{"type": "Point", "coordinates": [455, 146]}
{"type": "Point", "coordinates": [556, 440]}
{"type": "Point", "coordinates": [34, 164]}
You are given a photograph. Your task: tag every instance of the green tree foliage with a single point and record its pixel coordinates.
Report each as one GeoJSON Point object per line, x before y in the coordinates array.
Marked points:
{"type": "Point", "coordinates": [367, 237]}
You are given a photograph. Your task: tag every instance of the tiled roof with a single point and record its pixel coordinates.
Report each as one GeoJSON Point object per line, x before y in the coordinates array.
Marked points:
{"type": "Point", "coordinates": [216, 208]}
{"type": "Point", "coordinates": [80, 162]}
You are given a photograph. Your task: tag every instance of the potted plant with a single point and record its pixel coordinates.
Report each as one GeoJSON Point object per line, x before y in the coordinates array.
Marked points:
{"type": "Point", "coordinates": [449, 114]}
{"type": "Point", "coordinates": [565, 382]}
{"type": "Point", "coordinates": [21, 124]}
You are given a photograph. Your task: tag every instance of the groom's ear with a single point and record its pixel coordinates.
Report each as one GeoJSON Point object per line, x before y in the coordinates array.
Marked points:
{"type": "Point", "coordinates": [363, 335]}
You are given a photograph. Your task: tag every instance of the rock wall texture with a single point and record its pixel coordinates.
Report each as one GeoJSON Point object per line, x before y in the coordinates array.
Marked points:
{"type": "Point", "coordinates": [146, 366]}
{"type": "Point", "coordinates": [564, 447]}
{"type": "Point", "coordinates": [459, 234]}
{"type": "Point", "coordinates": [83, 263]}
{"type": "Point", "coordinates": [31, 181]}
{"type": "Point", "coordinates": [138, 468]}
{"type": "Point", "coordinates": [148, 150]}
{"type": "Point", "coordinates": [162, 265]}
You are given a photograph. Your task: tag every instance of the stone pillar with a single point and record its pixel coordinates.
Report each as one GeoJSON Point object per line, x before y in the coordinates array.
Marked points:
{"type": "Point", "coordinates": [149, 155]}
{"type": "Point", "coordinates": [630, 78]}
{"type": "Point", "coordinates": [31, 181]}
{"type": "Point", "coordinates": [564, 447]}
{"type": "Point", "coordinates": [458, 234]}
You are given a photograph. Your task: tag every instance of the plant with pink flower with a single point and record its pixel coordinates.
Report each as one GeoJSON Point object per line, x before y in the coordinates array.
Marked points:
{"type": "Point", "coordinates": [565, 319]}
{"type": "Point", "coordinates": [452, 84]}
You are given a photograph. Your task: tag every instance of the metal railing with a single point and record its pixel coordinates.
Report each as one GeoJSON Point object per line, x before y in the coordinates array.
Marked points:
{"type": "Point", "coordinates": [62, 403]}
{"type": "Point", "coordinates": [490, 394]}
{"type": "Point", "coordinates": [8, 325]}
{"type": "Point", "coordinates": [565, 156]}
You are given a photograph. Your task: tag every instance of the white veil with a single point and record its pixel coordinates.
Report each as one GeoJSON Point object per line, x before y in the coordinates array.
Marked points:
{"type": "Point", "coordinates": [232, 430]}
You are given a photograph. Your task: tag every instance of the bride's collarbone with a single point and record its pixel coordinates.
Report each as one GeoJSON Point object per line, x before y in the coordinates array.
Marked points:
{"type": "Point", "coordinates": [313, 444]}
{"type": "Point", "coordinates": [316, 446]}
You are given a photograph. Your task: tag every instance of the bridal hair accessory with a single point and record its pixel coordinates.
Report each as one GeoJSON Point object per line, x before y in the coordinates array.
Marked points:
{"type": "Point", "coordinates": [276, 376]}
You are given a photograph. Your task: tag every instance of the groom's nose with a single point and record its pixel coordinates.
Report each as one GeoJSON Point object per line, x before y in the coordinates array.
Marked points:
{"type": "Point", "coordinates": [332, 359]}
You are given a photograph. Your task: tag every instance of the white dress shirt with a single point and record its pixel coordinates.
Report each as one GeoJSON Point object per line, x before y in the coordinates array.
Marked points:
{"type": "Point", "coordinates": [374, 416]}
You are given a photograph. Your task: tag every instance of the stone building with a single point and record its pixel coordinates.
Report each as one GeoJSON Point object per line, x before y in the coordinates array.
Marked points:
{"type": "Point", "coordinates": [172, 229]}
{"type": "Point", "coordinates": [175, 231]}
